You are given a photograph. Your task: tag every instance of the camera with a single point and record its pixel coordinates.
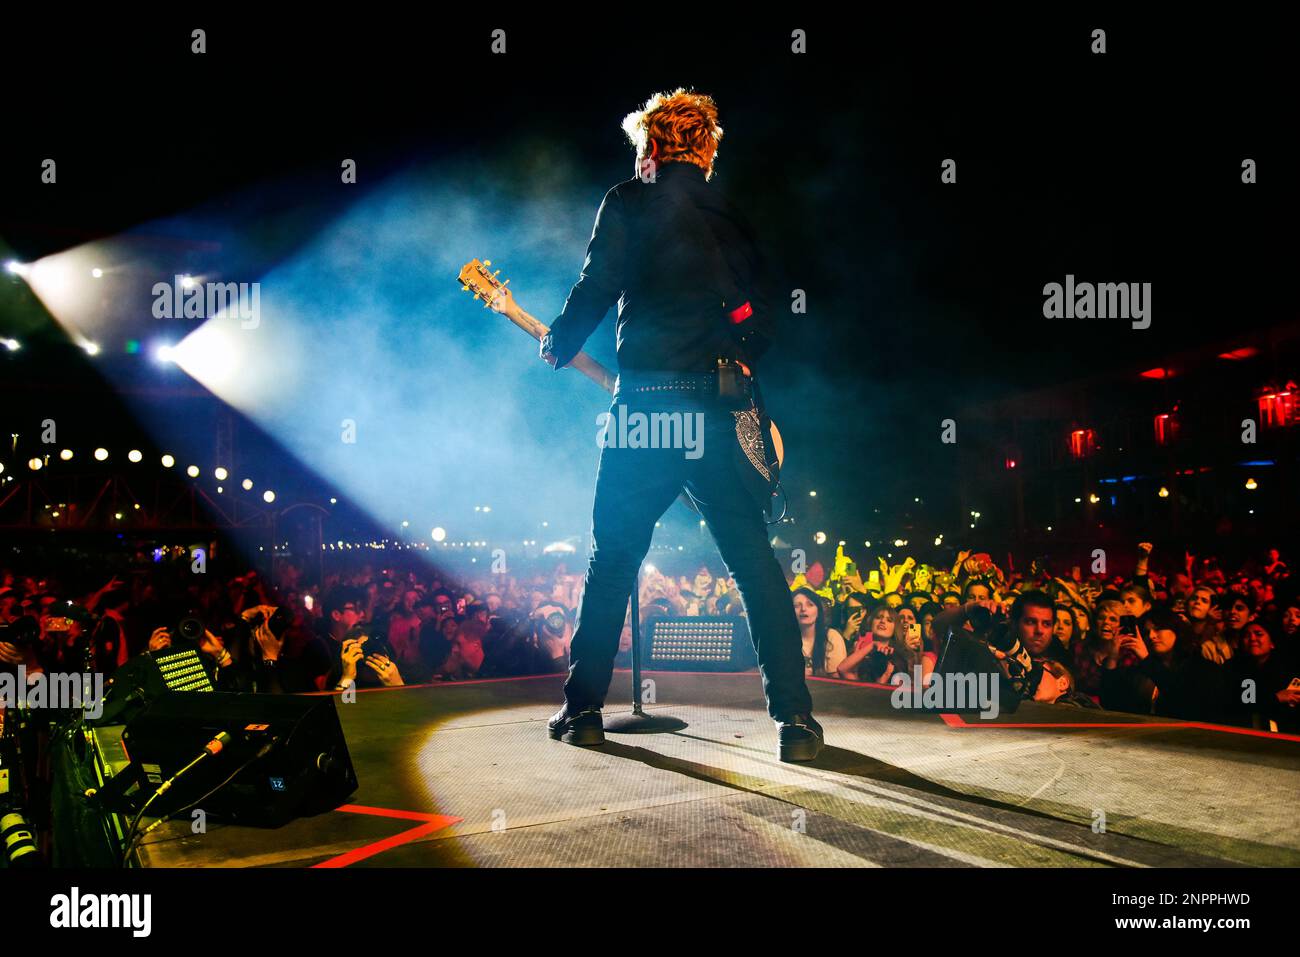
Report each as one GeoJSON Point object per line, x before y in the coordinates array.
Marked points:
{"type": "Point", "coordinates": [373, 644]}
{"type": "Point", "coordinates": [191, 629]}
{"type": "Point", "coordinates": [279, 623]}
{"type": "Point", "coordinates": [981, 618]}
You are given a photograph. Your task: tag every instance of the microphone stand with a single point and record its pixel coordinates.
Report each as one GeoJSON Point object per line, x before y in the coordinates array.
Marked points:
{"type": "Point", "coordinates": [638, 722]}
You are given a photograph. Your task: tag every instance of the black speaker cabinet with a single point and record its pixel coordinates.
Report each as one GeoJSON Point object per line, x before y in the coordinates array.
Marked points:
{"type": "Point", "coordinates": [287, 756]}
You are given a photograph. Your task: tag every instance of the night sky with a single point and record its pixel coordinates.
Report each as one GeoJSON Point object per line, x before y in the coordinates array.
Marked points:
{"type": "Point", "coordinates": [923, 297]}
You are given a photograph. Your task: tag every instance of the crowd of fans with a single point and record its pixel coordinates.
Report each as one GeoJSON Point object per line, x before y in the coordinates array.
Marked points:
{"type": "Point", "coordinates": [1191, 641]}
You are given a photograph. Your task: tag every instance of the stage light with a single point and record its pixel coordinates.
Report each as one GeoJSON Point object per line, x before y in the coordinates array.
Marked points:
{"type": "Point", "coordinates": [187, 282]}
{"type": "Point", "coordinates": [15, 268]}
{"type": "Point", "coordinates": [439, 534]}
{"type": "Point", "coordinates": [899, 543]}
{"type": "Point", "coordinates": [406, 524]}
{"type": "Point", "coordinates": [135, 455]}
{"type": "Point", "coordinates": [192, 471]}
{"type": "Point", "coordinates": [2, 468]}
{"type": "Point", "coordinates": [268, 496]}
{"type": "Point", "coordinates": [487, 508]}
{"type": "Point", "coordinates": [820, 538]}
{"type": "Point", "coordinates": [54, 514]}
{"type": "Point", "coordinates": [92, 348]}
{"type": "Point", "coordinates": [213, 357]}
{"type": "Point", "coordinates": [166, 352]}
{"type": "Point", "coordinates": [13, 345]}
{"type": "Point", "coordinates": [220, 473]}
{"type": "Point", "coordinates": [34, 464]}
{"type": "Point", "coordinates": [333, 501]}
{"type": "Point", "coordinates": [1094, 498]}
{"type": "Point", "coordinates": [66, 455]}
{"type": "Point", "coordinates": [118, 516]}
{"type": "Point", "coordinates": [220, 489]}
{"type": "Point", "coordinates": [136, 506]}
{"type": "Point", "coordinates": [101, 455]}
{"type": "Point", "coordinates": [248, 485]}
{"type": "Point", "coordinates": [1164, 492]}
{"type": "Point", "coordinates": [812, 493]}
{"type": "Point", "coordinates": [1251, 484]}
{"type": "Point", "coordinates": [168, 461]}
{"type": "Point", "coordinates": [97, 273]}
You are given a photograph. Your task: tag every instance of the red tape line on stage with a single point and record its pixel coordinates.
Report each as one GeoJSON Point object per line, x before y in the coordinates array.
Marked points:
{"type": "Point", "coordinates": [957, 721]}
{"type": "Point", "coordinates": [430, 824]}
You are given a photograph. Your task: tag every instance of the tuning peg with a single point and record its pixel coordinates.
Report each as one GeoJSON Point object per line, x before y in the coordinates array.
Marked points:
{"type": "Point", "coordinates": [487, 262]}
{"type": "Point", "coordinates": [464, 288]}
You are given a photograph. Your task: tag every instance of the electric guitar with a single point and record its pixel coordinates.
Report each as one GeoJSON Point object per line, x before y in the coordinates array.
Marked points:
{"type": "Point", "coordinates": [484, 284]}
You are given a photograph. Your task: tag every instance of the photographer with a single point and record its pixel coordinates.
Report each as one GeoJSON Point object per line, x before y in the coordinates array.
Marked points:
{"type": "Point", "coordinates": [358, 657]}
{"type": "Point", "coordinates": [980, 638]}
{"type": "Point", "coordinates": [551, 631]}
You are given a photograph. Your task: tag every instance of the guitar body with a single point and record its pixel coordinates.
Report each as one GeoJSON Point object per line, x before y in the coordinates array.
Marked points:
{"type": "Point", "coordinates": [475, 278]}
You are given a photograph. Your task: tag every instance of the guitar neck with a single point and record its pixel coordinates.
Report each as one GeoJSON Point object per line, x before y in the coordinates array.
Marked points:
{"type": "Point", "coordinates": [584, 363]}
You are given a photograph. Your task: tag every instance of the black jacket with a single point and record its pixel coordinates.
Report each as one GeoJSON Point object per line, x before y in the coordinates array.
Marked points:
{"type": "Point", "coordinates": [677, 257]}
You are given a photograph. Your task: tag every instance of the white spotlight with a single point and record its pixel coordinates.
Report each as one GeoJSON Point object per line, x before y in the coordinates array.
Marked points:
{"type": "Point", "coordinates": [268, 496]}
{"type": "Point", "coordinates": [135, 455]}
{"type": "Point", "coordinates": [220, 473]}
{"type": "Point", "coordinates": [101, 454]}
{"type": "Point", "coordinates": [97, 273]}
{"type": "Point", "coordinates": [168, 461]}
{"type": "Point", "coordinates": [439, 534]}
{"type": "Point", "coordinates": [192, 471]}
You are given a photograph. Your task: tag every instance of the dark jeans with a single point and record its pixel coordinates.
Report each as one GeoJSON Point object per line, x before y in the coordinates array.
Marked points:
{"type": "Point", "coordinates": [634, 487]}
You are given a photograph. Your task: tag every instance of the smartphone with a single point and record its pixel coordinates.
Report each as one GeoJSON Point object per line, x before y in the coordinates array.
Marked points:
{"type": "Point", "coordinates": [1128, 625]}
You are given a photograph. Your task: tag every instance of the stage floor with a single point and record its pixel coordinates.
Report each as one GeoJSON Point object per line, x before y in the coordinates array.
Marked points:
{"type": "Point", "coordinates": [465, 775]}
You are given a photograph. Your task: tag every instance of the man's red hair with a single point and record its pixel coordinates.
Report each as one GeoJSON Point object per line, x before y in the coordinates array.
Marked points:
{"type": "Point", "coordinates": [683, 122]}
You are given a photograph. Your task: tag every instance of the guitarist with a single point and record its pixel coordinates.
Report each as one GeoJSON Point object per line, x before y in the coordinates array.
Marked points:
{"type": "Point", "coordinates": [684, 267]}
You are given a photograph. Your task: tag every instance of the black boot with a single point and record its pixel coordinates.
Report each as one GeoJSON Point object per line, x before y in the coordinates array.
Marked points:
{"type": "Point", "coordinates": [585, 728]}
{"type": "Point", "coordinates": [801, 737]}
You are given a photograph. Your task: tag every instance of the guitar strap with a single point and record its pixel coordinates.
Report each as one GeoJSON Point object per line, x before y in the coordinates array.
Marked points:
{"type": "Point", "coordinates": [753, 425]}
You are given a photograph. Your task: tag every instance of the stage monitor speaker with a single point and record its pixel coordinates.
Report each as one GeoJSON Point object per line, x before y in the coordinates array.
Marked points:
{"type": "Point", "coordinates": [699, 644]}
{"type": "Point", "coordinates": [147, 677]}
{"type": "Point", "coordinates": [287, 755]}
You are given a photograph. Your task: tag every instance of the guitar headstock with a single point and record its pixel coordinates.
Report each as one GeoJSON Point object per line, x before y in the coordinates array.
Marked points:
{"type": "Point", "coordinates": [475, 278]}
